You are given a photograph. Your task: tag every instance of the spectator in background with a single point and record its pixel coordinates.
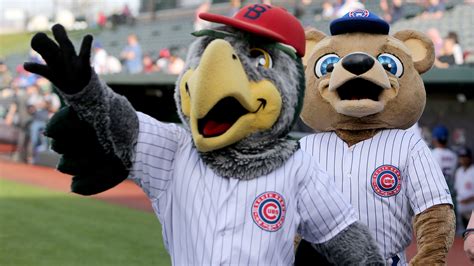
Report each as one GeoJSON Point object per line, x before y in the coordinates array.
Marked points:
{"type": "Point", "coordinates": [163, 60]}
{"type": "Point", "coordinates": [348, 6]}
{"type": "Point", "coordinates": [435, 10]}
{"type": "Point", "coordinates": [328, 10]}
{"type": "Point", "coordinates": [385, 7]}
{"type": "Point", "coordinates": [35, 57]}
{"type": "Point", "coordinates": [392, 13]}
{"type": "Point", "coordinates": [446, 58]}
{"type": "Point", "coordinates": [5, 76]}
{"type": "Point", "coordinates": [132, 55]}
{"type": "Point", "coordinates": [464, 185]}
{"type": "Point", "coordinates": [234, 7]}
{"type": "Point", "coordinates": [101, 20]}
{"type": "Point", "coordinates": [19, 116]}
{"type": "Point", "coordinates": [148, 64]}
{"type": "Point", "coordinates": [397, 11]}
{"type": "Point", "coordinates": [99, 58]}
{"type": "Point", "coordinates": [24, 78]}
{"type": "Point", "coordinates": [300, 8]}
{"type": "Point", "coordinates": [113, 65]}
{"type": "Point", "coordinates": [200, 24]}
{"type": "Point", "coordinates": [52, 99]}
{"type": "Point", "coordinates": [435, 36]}
{"type": "Point", "coordinates": [102, 62]}
{"type": "Point", "coordinates": [457, 50]}
{"type": "Point", "coordinates": [38, 108]}
{"type": "Point", "coordinates": [176, 64]}
{"type": "Point", "coordinates": [446, 158]}
{"type": "Point", "coordinates": [126, 13]}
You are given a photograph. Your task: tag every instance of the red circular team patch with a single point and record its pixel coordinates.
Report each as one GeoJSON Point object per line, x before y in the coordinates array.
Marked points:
{"type": "Point", "coordinates": [359, 13]}
{"type": "Point", "coordinates": [268, 211]}
{"type": "Point", "coordinates": [386, 181]}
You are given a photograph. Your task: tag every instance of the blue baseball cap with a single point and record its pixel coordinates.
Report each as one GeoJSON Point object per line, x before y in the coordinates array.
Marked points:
{"type": "Point", "coordinates": [465, 152]}
{"type": "Point", "coordinates": [360, 20]}
{"type": "Point", "coordinates": [440, 133]}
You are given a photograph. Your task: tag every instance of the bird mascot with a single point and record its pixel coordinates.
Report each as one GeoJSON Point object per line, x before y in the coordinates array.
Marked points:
{"type": "Point", "coordinates": [363, 89]}
{"type": "Point", "coordinates": [228, 186]}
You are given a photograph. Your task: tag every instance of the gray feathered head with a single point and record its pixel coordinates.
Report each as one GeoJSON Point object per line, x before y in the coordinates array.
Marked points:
{"type": "Point", "coordinates": [239, 87]}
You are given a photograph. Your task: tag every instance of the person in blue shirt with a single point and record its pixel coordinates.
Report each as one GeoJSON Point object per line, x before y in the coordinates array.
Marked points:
{"type": "Point", "coordinates": [132, 55]}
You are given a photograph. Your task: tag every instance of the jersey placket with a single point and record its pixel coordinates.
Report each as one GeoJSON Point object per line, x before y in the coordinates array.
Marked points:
{"type": "Point", "coordinates": [224, 226]}
{"type": "Point", "coordinates": [347, 171]}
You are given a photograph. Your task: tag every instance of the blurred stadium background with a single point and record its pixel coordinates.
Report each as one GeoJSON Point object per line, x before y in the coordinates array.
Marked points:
{"type": "Point", "coordinates": [161, 29]}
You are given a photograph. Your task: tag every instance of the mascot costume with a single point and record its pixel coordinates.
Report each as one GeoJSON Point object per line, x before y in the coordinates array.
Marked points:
{"type": "Point", "coordinates": [363, 89]}
{"type": "Point", "coordinates": [229, 186]}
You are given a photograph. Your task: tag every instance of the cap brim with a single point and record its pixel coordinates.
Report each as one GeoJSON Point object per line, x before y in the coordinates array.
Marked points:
{"type": "Point", "coordinates": [242, 25]}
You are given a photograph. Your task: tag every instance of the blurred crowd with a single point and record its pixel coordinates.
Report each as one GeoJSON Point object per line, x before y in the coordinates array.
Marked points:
{"type": "Point", "coordinates": [123, 16]}
{"type": "Point", "coordinates": [448, 48]}
{"type": "Point", "coordinates": [27, 101]}
{"type": "Point", "coordinates": [133, 60]}
{"type": "Point", "coordinates": [392, 10]}
{"type": "Point", "coordinates": [448, 51]}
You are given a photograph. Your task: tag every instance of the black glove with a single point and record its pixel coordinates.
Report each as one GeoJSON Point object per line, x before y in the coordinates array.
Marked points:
{"type": "Point", "coordinates": [93, 169]}
{"type": "Point", "coordinates": [64, 68]}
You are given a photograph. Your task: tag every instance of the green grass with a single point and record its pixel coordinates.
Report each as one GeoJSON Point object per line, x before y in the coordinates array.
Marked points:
{"type": "Point", "coordinates": [41, 227]}
{"type": "Point", "coordinates": [17, 43]}
{"type": "Point", "coordinates": [14, 43]}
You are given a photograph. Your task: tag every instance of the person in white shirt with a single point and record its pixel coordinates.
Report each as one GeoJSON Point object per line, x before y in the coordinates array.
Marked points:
{"type": "Point", "coordinates": [445, 157]}
{"type": "Point", "coordinates": [464, 185]}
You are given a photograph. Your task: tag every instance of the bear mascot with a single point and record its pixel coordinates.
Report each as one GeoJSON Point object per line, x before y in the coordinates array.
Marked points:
{"type": "Point", "coordinates": [363, 89]}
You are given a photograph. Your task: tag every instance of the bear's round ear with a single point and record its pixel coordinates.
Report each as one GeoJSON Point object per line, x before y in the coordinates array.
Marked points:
{"type": "Point", "coordinates": [421, 48]}
{"type": "Point", "coordinates": [313, 36]}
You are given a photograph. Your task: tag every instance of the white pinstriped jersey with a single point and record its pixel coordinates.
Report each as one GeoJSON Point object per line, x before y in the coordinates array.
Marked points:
{"type": "Point", "coordinates": [208, 219]}
{"type": "Point", "coordinates": [388, 179]}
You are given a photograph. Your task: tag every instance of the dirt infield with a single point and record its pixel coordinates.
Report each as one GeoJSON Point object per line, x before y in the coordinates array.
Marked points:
{"type": "Point", "coordinates": [128, 194]}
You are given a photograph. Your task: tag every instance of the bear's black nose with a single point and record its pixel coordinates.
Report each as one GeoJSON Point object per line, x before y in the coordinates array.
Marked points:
{"type": "Point", "coordinates": [357, 63]}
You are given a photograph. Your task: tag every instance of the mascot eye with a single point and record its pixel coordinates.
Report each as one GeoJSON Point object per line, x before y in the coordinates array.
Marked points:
{"type": "Point", "coordinates": [391, 63]}
{"type": "Point", "coordinates": [325, 64]}
{"type": "Point", "coordinates": [262, 58]}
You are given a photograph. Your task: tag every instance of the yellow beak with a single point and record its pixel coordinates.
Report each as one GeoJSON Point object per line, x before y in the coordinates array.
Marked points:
{"type": "Point", "coordinates": [218, 97]}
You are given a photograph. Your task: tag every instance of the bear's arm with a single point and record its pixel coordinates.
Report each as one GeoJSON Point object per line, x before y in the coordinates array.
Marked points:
{"type": "Point", "coordinates": [431, 202]}
{"type": "Point", "coordinates": [434, 228]}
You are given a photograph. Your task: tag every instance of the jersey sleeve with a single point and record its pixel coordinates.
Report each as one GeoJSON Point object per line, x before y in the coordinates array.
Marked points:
{"type": "Point", "coordinates": [155, 150]}
{"type": "Point", "coordinates": [426, 185]}
{"type": "Point", "coordinates": [323, 210]}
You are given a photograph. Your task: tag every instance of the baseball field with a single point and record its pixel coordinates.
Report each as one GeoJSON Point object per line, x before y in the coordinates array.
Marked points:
{"type": "Point", "coordinates": [41, 226]}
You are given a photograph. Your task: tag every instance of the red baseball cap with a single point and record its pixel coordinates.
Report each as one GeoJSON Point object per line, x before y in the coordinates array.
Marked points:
{"type": "Point", "coordinates": [267, 21]}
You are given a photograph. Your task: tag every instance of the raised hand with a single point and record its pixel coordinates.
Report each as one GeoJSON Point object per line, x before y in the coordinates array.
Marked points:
{"type": "Point", "coordinates": [64, 68]}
